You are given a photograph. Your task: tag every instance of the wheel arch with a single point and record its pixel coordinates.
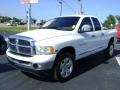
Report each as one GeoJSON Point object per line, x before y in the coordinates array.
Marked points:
{"type": "Point", "coordinates": [111, 40]}
{"type": "Point", "coordinates": [69, 49]}
{"type": "Point", "coordinates": [65, 50]}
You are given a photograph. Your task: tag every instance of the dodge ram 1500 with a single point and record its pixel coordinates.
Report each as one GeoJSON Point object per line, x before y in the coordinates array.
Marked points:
{"type": "Point", "coordinates": [59, 43]}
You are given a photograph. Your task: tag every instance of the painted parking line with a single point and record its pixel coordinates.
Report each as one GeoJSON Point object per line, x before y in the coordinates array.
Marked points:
{"type": "Point", "coordinates": [118, 59]}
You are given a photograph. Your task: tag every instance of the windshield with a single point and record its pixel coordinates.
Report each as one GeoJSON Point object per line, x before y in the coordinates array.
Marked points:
{"type": "Point", "coordinates": [62, 23]}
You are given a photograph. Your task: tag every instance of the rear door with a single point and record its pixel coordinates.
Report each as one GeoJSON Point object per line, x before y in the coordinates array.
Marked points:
{"type": "Point", "coordinates": [99, 35]}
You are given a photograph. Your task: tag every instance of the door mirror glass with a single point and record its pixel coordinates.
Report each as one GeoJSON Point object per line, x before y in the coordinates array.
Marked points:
{"type": "Point", "coordinates": [86, 28]}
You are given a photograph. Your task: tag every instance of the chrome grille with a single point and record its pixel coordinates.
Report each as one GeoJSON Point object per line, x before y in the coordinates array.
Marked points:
{"type": "Point", "coordinates": [13, 41]}
{"type": "Point", "coordinates": [23, 42]}
{"type": "Point", "coordinates": [20, 46]}
{"type": "Point", "coordinates": [13, 48]}
{"type": "Point", "coordinates": [24, 50]}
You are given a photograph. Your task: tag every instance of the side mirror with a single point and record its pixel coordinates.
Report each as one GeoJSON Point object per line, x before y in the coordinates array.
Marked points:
{"type": "Point", "coordinates": [86, 28]}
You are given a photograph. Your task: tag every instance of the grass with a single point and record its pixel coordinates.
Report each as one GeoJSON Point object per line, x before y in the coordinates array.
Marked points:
{"type": "Point", "coordinates": [17, 28]}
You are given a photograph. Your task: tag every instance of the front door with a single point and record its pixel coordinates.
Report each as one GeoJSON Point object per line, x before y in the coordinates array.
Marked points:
{"type": "Point", "coordinates": [87, 38]}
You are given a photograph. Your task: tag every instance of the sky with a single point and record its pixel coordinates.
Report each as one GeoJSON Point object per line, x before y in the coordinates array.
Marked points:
{"type": "Point", "coordinates": [47, 9]}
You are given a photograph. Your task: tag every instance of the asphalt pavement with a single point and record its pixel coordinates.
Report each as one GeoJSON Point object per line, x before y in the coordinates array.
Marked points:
{"type": "Point", "coordinates": [92, 73]}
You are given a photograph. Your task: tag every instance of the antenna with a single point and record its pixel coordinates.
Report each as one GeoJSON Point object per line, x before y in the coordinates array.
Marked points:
{"type": "Point", "coordinates": [62, 2]}
{"type": "Point", "coordinates": [81, 7]}
{"type": "Point", "coordinates": [61, 7]}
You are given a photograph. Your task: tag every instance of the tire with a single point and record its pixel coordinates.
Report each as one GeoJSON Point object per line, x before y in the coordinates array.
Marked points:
{"type": "Point", "coordinates": [109, 51]}
{"type": "Point", "coordinates": [3, 47]}
{"type": "Point", "coordinates": [64, 67]}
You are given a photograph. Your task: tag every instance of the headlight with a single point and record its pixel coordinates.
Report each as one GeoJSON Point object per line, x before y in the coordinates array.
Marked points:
{"type": "Point", "coordinates": [44, 50]}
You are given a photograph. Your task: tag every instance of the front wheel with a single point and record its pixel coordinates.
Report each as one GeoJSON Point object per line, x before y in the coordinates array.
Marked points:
{"type": "Point", "coordinates": [64, 67]}
{"type": "Point", "coordinates": [110, 50]}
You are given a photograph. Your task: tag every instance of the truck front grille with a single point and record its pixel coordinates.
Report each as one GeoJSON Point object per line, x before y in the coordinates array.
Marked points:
{"type": "Point", "coordinates": [23, 42]}
{"type": "Point", "coordinates": [13, 41]}
{"type": "Point", "coordinates": [22, 47]}
{"type": "Point", "coordinates": [13, 48]}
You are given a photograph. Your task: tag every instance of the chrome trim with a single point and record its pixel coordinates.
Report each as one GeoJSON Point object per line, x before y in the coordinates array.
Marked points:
{"type": "Point", "coordinates": [21, 64]}
{"type": "Point", "coordinates": [21, 37]}
{"type": "Point", "coordinates": [17, 46]}
{"type": "Point", "coordinates": [27, 39]}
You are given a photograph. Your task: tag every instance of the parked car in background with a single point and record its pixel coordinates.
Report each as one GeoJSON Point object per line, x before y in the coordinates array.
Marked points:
{"type": "Point", "coordinates": [118, 32]}
{"type": "Point", "coordinates": [22, 23]}
{"type": "Point", "coordinates": [3, 44]}
{"type": "Point", "coordinates": [11, 24]}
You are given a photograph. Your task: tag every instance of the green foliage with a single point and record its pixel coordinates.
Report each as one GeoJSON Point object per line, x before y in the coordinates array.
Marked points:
{"type": "Point", "coordinates": [17, 28]}
{"type": "Point", "coordinates": [4, 19]}
{"type": "Point", "coordinates": [110, 22]}
{"type": "Point", "coordinates": [16, 20]}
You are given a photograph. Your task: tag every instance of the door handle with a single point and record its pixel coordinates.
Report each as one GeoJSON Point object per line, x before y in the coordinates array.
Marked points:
{"type": "Point", "coordinates": [93, 36]}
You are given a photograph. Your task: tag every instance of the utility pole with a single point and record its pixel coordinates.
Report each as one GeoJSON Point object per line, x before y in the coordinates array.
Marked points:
{"type": "Point", "coordinates": [29, 16]}
{"type": "Point", "coordinates": [61, 7]}
{"type": "Point", "coordinates": [29, 2]}
{"type": "Point", "coordinates": [81, 7]}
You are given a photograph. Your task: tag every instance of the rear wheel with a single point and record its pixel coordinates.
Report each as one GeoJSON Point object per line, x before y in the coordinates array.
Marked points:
{"type": "Point", "coordinates": [110, 50]}
{"type": "Point", "coordinates": [64, 67]}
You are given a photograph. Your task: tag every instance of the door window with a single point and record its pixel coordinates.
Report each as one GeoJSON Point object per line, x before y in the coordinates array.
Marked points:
{"type": "Point", "coordinates": [96, 24]}
{"type": "Point", "coordinates": [86, 21]}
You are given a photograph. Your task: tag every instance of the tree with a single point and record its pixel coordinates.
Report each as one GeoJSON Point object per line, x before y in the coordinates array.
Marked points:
{"type": "Point", "coordinates": [110, 22]}
{"type": "Point", "coordinates": [16, 20]}
{"type": "Point", "coordinates": [4, 19]}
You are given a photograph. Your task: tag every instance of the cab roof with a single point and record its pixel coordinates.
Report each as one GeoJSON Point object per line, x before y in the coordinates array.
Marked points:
{"type": "Point", "coordinates": [78, 15]}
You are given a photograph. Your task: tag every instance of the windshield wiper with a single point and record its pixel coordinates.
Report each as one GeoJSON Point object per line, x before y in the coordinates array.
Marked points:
{"type": "Point", "coordinates": [58, 28]}
{"type": "Point", "coordinates": [49, 28]}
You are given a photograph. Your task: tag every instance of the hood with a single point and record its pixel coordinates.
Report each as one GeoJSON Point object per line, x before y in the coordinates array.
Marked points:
{"type": "Point", "coordinates": [43, 34]}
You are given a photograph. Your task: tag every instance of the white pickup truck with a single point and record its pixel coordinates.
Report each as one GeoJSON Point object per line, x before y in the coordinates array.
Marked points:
{"type": "Point", "coordinates": [58, 44]}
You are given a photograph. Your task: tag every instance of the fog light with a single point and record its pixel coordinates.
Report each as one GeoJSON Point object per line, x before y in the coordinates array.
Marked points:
{"type": "Point", "coordinates": [35, 66]}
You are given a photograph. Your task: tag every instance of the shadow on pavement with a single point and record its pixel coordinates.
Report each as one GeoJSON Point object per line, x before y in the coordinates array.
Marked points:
{"type": "Point", "coordinates": [5, 67]}
{"type": "Point", "coordinates": [45, 76]}
{"type": "Point", "coordinates": [92, 61]}
{"type": "Point", "coordinates": [2, 53]}
{"type": "Point", "coordinates": [89, 63]}
{"type": "Point", "coordinates": [117, 52]}
{"type": "Point", "coordinates": [82, 66]}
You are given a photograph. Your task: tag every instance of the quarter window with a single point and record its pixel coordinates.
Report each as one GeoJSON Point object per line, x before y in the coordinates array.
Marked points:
{"type": "Point", "coordinates": [96, 24]}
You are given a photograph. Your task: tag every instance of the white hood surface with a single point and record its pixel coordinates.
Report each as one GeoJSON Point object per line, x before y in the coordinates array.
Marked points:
{"type": "Point", "coordinates": [43, 34]}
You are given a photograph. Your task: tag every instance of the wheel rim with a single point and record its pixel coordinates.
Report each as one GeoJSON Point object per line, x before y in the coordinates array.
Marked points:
{"type": "Point", "coordinates": [111, 50]}
{"type": "Point", "coordinates": [66, 67]}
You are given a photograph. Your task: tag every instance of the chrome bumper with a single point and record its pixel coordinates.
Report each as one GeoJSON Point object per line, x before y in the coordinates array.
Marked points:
{"type": "Point", "coordinates": [28, 66]}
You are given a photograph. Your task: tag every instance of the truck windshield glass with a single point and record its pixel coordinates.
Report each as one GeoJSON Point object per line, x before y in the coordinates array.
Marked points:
{"type": "Point", "coordinates": [62, 23]}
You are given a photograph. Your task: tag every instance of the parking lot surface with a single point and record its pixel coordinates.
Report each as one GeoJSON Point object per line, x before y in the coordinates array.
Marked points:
{"type": "Point", "coordinates": [92, 73]}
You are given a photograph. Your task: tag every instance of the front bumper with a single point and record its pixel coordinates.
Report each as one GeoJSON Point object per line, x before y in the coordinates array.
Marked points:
{"type": "Point", "coordinates": [31, 64]}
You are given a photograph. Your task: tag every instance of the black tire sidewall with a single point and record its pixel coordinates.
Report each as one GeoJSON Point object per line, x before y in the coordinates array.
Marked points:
{"type": "Point", "coordinates": [107, 51]}
{"type": "Point", "coordinates": [59, 59]}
